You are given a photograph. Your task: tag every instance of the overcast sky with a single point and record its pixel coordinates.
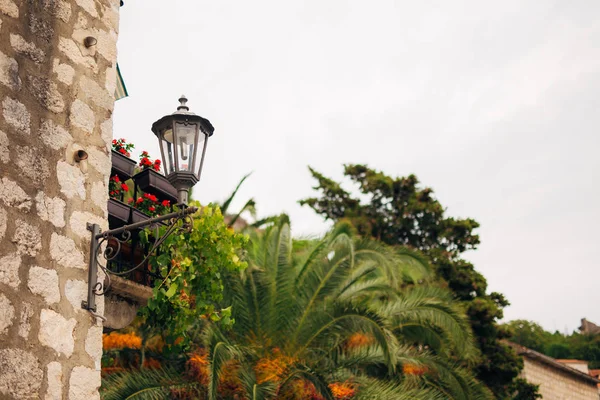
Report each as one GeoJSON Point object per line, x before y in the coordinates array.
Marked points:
{"type": "Point", "coordinates": [495, 105]}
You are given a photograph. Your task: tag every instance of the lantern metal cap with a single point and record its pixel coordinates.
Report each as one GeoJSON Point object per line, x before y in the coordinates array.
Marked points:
{"type": "Point", "coordinates": [183, 111]}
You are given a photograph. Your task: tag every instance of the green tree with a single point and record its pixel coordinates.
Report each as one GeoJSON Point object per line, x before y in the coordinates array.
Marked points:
{"type": "Point", "coordinates": [556, 345]}
{"type": "Point", "coordinates": [316, 316]}
{"type": "Point", "coordinates": [528, 334]}
{"type": "Point", "coordinates": [398, 211]}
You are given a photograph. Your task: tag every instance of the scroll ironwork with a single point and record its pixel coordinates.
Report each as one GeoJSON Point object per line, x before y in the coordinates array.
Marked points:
{"type": "Point", "coordinates": [108, 245]}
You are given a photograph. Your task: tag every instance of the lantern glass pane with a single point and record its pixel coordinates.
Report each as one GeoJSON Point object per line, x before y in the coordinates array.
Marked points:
{"type": "Point", "coordinates": [167, 151]}
{"type": "Point", "coordinates": [202, 142]}
{"type": "Point", "coordinates": [185, 136]}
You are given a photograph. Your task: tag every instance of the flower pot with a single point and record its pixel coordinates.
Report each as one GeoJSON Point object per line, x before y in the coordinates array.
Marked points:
{"type": "Point", "coordinates": [122, 166]}
{"type": "Point", "coordinates": [157, 184]}
{"type": "Point", "coordinates": [118, 213]}
{"type": "Point", "coordinates": [138, 216]}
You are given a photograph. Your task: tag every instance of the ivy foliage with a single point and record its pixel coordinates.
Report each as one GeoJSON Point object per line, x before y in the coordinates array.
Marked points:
{"type": "Point", "coordinates": [193, 264]}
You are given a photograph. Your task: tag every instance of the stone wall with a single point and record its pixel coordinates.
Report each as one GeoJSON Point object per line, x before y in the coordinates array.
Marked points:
{"type": "Point", "coordinates": [556, 384]}
{"type": "Point", "coordinates": [56, 97]}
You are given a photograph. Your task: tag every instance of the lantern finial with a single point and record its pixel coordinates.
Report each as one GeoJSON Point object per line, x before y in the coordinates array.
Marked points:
{"type": "Point", "coordinates": [182, 101]}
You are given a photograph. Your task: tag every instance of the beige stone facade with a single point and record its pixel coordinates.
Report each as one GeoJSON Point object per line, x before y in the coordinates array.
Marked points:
{"type": "Point", "coordinates": [56, 97]}
{"type": "Point", "coordinates": [557, 381]}
{"type": "Point", "coordinates": [557, 384]}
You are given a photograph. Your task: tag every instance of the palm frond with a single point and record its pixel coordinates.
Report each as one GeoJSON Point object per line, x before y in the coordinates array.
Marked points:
{"type": "Point", "coordinates": [227, 202]}
{"type": "Point", "coordinates": [376, 389]}
{"type": "Point", "coordinates": [147, 384]}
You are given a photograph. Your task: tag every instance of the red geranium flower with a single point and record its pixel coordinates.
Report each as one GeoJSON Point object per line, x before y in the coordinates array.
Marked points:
{"type": "Point", "coordinates": [151, 208]}
{"type": "Point", "coordinates": [124, 187]}
{"type": "Point", "coordinates": [139, 200]}
{"type": "Point", "coordinates": [166, 203]}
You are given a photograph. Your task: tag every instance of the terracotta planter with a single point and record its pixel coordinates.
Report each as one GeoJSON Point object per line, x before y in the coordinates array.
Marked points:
{"type": "Point", "coordinates": [121, 166]}
{"type": "Point", "coordinates": [118, 213]}
{"type": "Point", "coordinates": [152, 182]}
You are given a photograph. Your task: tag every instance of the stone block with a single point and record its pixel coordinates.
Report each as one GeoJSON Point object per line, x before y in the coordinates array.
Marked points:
{"type": "Point", "coordinates": [25, 320]}
{"type": "Point", "coordinates": [4, 150]}
{"type": "Point", "coordinates": [97, 94]}
{"type": "Point", "coordinates": [64, 251]}
{"type": "Point", "coordinates": [64, 72]}
{"type": "Point", "coordinates": [58, 8]}
{"type": "Point", "coordinates": [3, 219]}
{"type": "Point", "coordinates": [107, 45]}
{"type": "Point", "coordinates": [111, 79]}
{"type": "Point", "coordinates": [82, 116]}
{"type": "Point", "coordinates": [110, 17]}
{"type": "Point", "coordinates": [41, 28]}
{"type": "Point", "coordinates": [71, 180]}
{"type": "Point", "coordinates": [79, 220]}
{"type": "Point", "coordinates": [30, 50]}
{"type": "Point", "coordinates": [84, 384]}
{"type": "Point", "coordinates": [54, 136]}
{"type": "Point", "coordinates": [7, 314]}
{"type": "Point", "coordinates": [47, 94]}
{"type": "Point", "coordinates": [31, 165]}
{"type": "Point", "coordinates": [98, 195]}
{"type": "Point", "coordinates": [20, 374]}
{"type": "Point", "coordinates": [44, 282]}
{"type": "Point", "coordinates": [16, 115]}
{"type": "Point", "coordinates": [99, 160]}
{"type": "Point", "coordinates": [9, 270]}
{"type": "Point", "coordinates": [54, 376]}
{"type": "Point", "coordinates": [76, 292]}
{"type": "Point", "coordinates": [13, 196]}
{"type": "Point", "coordinates": [27, 238]}
{"type": "Point", "coordinates": [8, 7]}
{"type": "Point", "coordinates": [74, 52]}
{"type": "Point", "coordinates": [9, 72]}
{"type": "Point", "coordinates": [93, 345]}
{"type": "Point", "coordinates": [51, 209]}
{"type": "Point", "coordinates": [106, 131]}
{"type": "Point", "coordinates": [56, 332]}
{"type": "Point", "coordinates": [89, 6]}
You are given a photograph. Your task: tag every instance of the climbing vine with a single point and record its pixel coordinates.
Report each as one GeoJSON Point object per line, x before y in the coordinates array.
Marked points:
{"type": "Point", "coordinates": [193, 265]}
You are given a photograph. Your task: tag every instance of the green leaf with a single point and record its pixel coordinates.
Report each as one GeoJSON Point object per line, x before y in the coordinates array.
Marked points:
{"type": "Point", "coordinates": [172, 290]}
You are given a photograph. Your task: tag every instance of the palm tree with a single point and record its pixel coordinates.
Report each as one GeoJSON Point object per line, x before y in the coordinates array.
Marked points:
{"type": "Point", "coordinates": [339, 317]}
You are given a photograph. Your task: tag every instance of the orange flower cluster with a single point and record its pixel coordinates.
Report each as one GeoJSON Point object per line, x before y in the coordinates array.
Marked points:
{"type": "Point", "coordinates": [198, 366]}
{"type": "Point", "coordinates": [411, 369]}
{"type": "Point", "coordinates": [115, 341]}
{"type": "Point", "coordinates": [272, 369]}
{"type": "Point", "coordinates": [342, 390]}
{"type": "Point", "coordinates": [358, 339]}
{"type": "Point", "coordinates": [151, 363]}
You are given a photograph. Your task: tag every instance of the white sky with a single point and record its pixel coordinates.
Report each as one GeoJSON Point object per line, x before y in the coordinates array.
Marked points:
{"type": "Point", "coordinates": [495, 105]}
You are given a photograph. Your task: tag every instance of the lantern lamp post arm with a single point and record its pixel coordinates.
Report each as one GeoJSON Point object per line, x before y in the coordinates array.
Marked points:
{"type": "Point", "coordinates": [120, 236]}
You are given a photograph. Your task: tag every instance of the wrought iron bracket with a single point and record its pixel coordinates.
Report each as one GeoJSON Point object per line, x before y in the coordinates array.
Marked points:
{"type": "Point", "coordinates": [171, 223]}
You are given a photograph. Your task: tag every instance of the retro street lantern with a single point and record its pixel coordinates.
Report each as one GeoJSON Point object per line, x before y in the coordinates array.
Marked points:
{"type": "Point", "coordinates": [183, 137]}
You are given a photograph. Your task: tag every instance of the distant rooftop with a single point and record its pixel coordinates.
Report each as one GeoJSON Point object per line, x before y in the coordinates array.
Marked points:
{"type": "Point", "coordinates": [551, 362]}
